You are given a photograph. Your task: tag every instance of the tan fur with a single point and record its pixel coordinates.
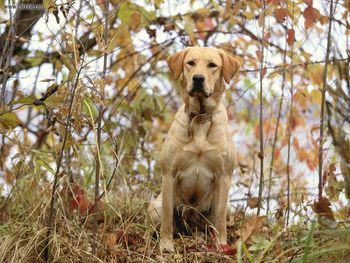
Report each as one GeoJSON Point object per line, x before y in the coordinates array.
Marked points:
{"type": "Point", "coordinates": [197, 158]}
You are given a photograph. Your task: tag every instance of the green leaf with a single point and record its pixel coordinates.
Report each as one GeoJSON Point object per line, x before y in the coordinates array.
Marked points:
{"type": "Point", "coordinates": [23, 99]}
{"type": "Point", "coordinates": [158, 3]}
{"type": "Point", "coordinates": [55, 100]}
{"type": "Point", "coordinates": [9, 120]}
{"type": "Point", "coordinates": [126, 9]}
{"type": "Point", "coordinates": [35, 61]}
{"type": "Point", "coordinates": [260, 243]}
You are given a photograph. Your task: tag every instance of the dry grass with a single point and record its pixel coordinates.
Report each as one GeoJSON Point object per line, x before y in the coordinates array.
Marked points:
{"type": "Point", "coordinates": [122, 229]}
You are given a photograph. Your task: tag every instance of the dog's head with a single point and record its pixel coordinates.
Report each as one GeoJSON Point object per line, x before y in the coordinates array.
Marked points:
{"type": "Point", "coordinates": [202, 70]}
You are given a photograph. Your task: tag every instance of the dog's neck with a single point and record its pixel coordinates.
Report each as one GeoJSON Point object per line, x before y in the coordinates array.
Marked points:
{"type": "Point", "coordinates": [203, 111]}
{"type": "Point", "coordinates": [202, 106]}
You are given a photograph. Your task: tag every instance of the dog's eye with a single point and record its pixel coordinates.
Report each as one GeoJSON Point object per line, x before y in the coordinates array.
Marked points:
{"type": "Point", "coordinates": [190, 63]}
{"type": "Point", "coordinates": [212, 65]}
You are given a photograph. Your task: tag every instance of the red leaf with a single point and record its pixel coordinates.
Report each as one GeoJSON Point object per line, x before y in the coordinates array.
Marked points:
{"type": "Point", "coordinates": [281, 14]}
{"type": "Point", "coordinates": [308, 2]}
{"type": "Point", "coordinates": [253, 202]}
{"type": "Point", "coordinates": [290, 36]}
{"type": "Point", "coordinates": [296, 143]}
{"type": "Point", "coordinates": [258, 54]}
{"type": "Point", "coordinates": [323, 207]}
{"type": "Point", "coordinates": [273, 2]}
{"type": "Point", "coordinates": [311, 16]}
{"type": "Point", "coordinates": [205, 24]}
{"type": "Point", "coordinates": [225, 249]}
{"type": "Point", "coordinates": [228, 250]}
{"type": "Point", "coordinates": [310, 164]}
{"type": "Point", "coordinates": [78, 200]}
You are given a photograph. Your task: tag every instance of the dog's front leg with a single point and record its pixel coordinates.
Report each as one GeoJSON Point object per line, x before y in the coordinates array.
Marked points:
{"type": "Point", "coordinates": [167, 215]}
{"type": "Point", "coordinates": [220, 202]}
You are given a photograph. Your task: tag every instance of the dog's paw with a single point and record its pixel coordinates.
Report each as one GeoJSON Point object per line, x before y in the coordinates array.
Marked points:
{"type": "Point", "coordinates": [167, 245]}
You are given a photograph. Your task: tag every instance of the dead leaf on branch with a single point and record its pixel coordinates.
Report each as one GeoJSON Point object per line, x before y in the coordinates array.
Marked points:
{"type": "Point", "coordinates": [311, 16]}
{"type": "Point", "coordinates": [290, 36]}
{"type": "Point", "coordinates": [253, 202]}
{"type": "Point", "coordinates": [308, 2]}
{"type": "Point", "coordinates": [281, 14]}
{"type": "Point", "coordinates": [325, 214]}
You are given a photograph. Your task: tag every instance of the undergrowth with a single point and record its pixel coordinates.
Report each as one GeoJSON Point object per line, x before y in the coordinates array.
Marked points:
{"type": "Point", "coordinates": [124, 235]}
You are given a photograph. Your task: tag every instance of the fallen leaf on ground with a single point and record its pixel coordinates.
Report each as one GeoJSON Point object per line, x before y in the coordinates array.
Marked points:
{"type": "Point", "coordinates": [251, 227]}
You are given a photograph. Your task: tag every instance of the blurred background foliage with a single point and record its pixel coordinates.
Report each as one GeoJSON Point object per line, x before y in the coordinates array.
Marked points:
{"type": "Point", "coordinates": [55, 87]}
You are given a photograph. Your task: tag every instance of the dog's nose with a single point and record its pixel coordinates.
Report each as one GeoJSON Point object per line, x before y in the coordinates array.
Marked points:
{"type": "Point", "coordinates": [198, 79]}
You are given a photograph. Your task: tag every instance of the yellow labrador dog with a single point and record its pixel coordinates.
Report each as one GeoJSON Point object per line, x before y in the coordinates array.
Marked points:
{"type": "Point", "coordinates": [197, 157]}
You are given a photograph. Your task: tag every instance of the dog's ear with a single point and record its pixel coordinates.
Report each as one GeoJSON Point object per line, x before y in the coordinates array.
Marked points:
{"type": "Point", "coordinates": [230, 66]}
{"type": "Point", "coordinates": [175, 63]}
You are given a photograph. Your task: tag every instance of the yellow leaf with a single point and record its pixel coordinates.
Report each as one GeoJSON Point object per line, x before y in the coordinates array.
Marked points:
{"type": "Point", "coordinates": [120, 37]}
{"type": "Point", "coordinates": [9, 120]}
{"type": "Point", "coordinates": [157, 3]}
{"type": "Point", "coordinates": [133, 84]}
{"type": "Point", "coordinates": [316, 74]}
{"type": "Point", "coordinates": [189, 26]}
{"type": "Point", "coordinates": [316, 96]}
{"type": "Point", "coordinates": [237, 7]}
{"type": "Point", "coordinates": [135, 20]}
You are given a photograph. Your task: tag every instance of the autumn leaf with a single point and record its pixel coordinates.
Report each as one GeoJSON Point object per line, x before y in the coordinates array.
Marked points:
{"type": "Point", "coordinates": [111, 240]}
{"type": "Point", "coordinates": [334, 187]}
{"type": "Point", "coordinates": [311, 163]}
{"type": "Point", "coordinates": [290, 36]}
{"type": "Point", "coordinates": [9, 178]}
{"type": "Point", "coordinates": [296, 143]}
{"type": "Point", "coordinates": [9, 120]}
{"type": "Point", "coordinates": [77, 199]}
{"type": "Point", "coordinates": [251, 227]}
{"type": "Point", "coordinates": [135, 21]}
{"type": "Point", "coordinates": [311, 15]}
{"type": "Point", "coordinates": [274, 2]}
{"type": "Point", "coordinates": [316, 96]}
{"type": "Point", "coordinates": [258, 54]}
{"type": "Point", "coordinates": [204, 24]}
{"type": "Point", "coordinates": [302, 155]}
{"type": "Point", "coordinates": [281, 14]}
{"type": "Point", "coordinates": [253, 202]}
{"type": "Point", "coordinates": [324, 20]}
{"type": "Point", "coordinates": [325, 214]}
{"type": "Point", "coordinates": [228, 6]}
{"type": "Point", "coordinates": [323, 206]}
{"type": "Point", "coordinates": [158, 3]}
{"type": "Point", "coordinates": [237, 7]}
{"type": "Point", "coordinates": [308, 2]}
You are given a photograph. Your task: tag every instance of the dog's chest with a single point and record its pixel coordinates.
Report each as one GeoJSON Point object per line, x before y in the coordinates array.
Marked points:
{"type": "Point", "coordinates": [195, 178]}
{"type": "Point", "coordinates": [198, 163]}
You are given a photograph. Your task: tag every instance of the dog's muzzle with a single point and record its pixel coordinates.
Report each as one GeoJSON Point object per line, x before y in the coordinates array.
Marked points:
{"type": "Point", "coordinates": [198, 87]}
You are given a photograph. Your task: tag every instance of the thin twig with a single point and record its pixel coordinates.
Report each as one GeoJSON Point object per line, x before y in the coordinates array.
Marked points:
{"type": "Point", "coordinates": [276, 133]}
{"type": "Point", "coordinates": [290, 124]}
{"type": "Point", "coordinates": [261, 153]}
{"type": "Point", "coordinates": [99, 128]}
{"type": "Point", "coordinates": [303, 64]}
{"type": "Point", "coordinates": [58, 167]}
{"type": "Point", "coordinates": [323, 100]}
